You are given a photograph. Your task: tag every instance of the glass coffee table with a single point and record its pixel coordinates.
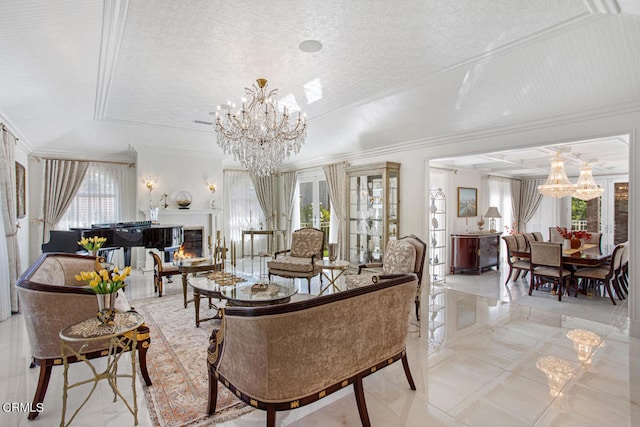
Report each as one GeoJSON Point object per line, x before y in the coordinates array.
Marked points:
{"type": "Point", "coordinates": [257, 293]}
{"type": "Point", "coordinates": [240, 290]}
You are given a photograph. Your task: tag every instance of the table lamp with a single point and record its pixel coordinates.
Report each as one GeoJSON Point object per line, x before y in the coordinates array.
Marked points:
{"type": "Point", "coordinates": [492, 213]}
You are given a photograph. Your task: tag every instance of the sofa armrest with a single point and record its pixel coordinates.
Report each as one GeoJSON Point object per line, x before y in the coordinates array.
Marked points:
{"type": "Point", "coordinates": [369, 265]}
{"type": "Point", "coordinates": [275, 255]}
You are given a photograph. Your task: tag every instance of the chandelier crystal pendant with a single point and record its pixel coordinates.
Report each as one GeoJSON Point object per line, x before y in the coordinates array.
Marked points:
{"type": "Point", "coordinates": [258, 135]}
{"type": "Point", "coordinates": [586, 188]}
{"type": "Point", "coordinates": [557, 184]}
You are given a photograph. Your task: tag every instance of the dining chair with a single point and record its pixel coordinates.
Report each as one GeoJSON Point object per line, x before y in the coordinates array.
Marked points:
{"type": "Point", "coordinates": [538, 236]}
{"type": "Point", "coordinates": [520, 265]}
{"type": "Point", "coordinates": [160, 271]}
{"type": "Point", "coordinates": [546, 267]}
{"type": "Point", "coordinates": [623, 275]}
{"type": "Point", "coordinates": [529, 237]}
{"type": "Point", "coordinates": [522, 243]}
{"type": "Point", "coordinates": [605, 275]}
{"type": "Point", "coordinates": [595, 239]}
{"type": "Point", "coordinates": [555, 236]}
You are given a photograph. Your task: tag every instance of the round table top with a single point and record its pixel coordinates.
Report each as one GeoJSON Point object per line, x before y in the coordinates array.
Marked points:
{"type": "Point", "coordinates": [91, 328]}
{"type": "Point", "coordinates": [253, 294]}
{"type": "Point", "coordinates": [333, 265]}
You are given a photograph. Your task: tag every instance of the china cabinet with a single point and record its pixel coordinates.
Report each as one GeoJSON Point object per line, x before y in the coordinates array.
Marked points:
{"type": "Point", "coordinates": [438, 235]}
{"type": "Point", "coordinates": [373, 215]}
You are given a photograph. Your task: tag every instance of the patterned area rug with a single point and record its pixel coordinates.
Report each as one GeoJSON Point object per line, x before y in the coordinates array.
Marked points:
{"type": "Point", "coordinates": [177, 363]}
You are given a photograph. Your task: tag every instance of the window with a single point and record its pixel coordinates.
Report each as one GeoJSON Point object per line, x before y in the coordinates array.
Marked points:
{"type": "Point", "coordinates": [103, 197]}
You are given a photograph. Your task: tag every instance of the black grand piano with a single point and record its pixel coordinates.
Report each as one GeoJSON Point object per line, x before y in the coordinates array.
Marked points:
{"type": "Point", "coordinates": [125, 235]}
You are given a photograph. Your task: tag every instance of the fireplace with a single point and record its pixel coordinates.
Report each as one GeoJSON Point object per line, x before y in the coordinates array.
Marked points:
{"type": "Point", "coordinates": [192, 245]}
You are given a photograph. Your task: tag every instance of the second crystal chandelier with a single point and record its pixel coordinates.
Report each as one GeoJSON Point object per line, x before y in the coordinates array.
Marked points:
{"type": "Point", "coordinates": [257, 135]}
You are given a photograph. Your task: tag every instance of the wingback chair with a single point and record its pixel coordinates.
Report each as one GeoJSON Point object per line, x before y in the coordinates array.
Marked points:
{"type": "Point", "coordinates": [299, 261]}
{"type": "Point", "coordinates": [51, 299]}
{"type": "Point", "coordinates": [402, 256]}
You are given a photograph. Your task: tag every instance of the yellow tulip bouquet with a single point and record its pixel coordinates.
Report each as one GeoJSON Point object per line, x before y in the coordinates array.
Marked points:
{"type": "Point", "coordinates": [92, 243]}
{"type": "Point", "coordinates": [104, 282]}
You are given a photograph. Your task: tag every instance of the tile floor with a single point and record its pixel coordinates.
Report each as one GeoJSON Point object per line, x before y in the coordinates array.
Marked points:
{"type": "Point", "coordinates": [489, 355]}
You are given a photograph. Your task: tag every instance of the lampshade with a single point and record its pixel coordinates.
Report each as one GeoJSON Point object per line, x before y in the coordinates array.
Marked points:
{"type": "Point", "coordinates": [492, 213]}
{"type": "Point", "coordinates": [557, 184]}
{"type": "Point", "coordinates": [586, 188]}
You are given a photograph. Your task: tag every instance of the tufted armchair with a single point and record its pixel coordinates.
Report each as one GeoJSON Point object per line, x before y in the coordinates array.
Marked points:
{"type": "Point", "coordinates": [402, 256]}
{"type": "Point", "coordinates": [307, 245]}
{"type": "Point", "coordinates": [51, 299]}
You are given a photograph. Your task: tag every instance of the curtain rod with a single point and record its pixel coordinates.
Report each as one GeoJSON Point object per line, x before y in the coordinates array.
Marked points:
{"type": "Point", "coordinates": [113, 162]}
{"type": "Point", "coordinates": [6, 129]}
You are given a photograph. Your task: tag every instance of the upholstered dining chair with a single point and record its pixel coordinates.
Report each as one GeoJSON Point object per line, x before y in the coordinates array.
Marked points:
{"type": "Point", "coordinates": [529, 237]}
{"type": "Point", "coordinates": [595, 239]}
{"type": "Point", "coordinates": [515, 263]}
{"type": "Point", "coordinates": [546, 267]}
{"type": "Point", "coordinates": [402, 256]}
{"type": "Point", "coordinates": [555, 236]}
{"type": "Point", "coordinates": [160, 271]}
{"type": "Point", "coordinates": [299, 261]}
{"type": "Point", "coordinates": [538, 236]}
{"type": "Point", "coordinates": [605, 275]}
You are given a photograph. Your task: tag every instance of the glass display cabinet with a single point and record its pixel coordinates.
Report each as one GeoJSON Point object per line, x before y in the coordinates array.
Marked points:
{"type": "Point", "coordinates": [438, 234]}
{"type": "Point", "coordinates": [374, 216]}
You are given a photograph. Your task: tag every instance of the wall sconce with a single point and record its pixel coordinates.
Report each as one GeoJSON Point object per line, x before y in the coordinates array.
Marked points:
{"type": "Point", "coordinates": [212, 188]}
{"type": "Point", "coordinates": [149, 183]}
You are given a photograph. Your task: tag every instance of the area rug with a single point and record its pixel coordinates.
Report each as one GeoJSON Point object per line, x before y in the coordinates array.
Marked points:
{"type": "Point", "coordinates": [177, 364]}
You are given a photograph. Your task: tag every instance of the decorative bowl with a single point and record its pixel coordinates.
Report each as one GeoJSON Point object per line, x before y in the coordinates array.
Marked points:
{"type": "Point", "coordinates": [183, 199]}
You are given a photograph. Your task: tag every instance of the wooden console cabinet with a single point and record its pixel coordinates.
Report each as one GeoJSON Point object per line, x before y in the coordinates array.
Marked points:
{"type": "Point", "coordinates": [475, 252]}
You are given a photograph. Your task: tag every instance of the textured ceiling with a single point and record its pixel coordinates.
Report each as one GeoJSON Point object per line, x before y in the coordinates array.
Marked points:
{"type": "Point", "coordinates": [89, 78]}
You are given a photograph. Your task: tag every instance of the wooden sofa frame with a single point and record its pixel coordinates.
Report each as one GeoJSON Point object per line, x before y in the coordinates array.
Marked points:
{"type": "Point", "coordinates": [271, 359]}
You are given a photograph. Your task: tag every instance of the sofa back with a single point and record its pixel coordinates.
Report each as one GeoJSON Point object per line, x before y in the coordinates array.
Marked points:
{"type": "Point", "coordinates": [287, 351]}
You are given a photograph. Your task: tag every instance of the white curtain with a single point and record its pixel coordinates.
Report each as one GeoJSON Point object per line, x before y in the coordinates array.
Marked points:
{"type": "Point", "coordinates": [242, 209]}
{"type": "Point", "coordinates": [500, 197]}
{"type": "Point", "coordinates": [265, 187]}
{"type": "Point", "coordinates": [5, 281]}
{"type": "Point", "coordinates": [289, 184]}
{"type": "Point", "coordinates": [104, 196]}
{"type": "Point", "coordinates": [62, 178]}
{"type": "Point", "coordinates": [335, 180]}
{"type": "Point", "coordinates": [10, 223]}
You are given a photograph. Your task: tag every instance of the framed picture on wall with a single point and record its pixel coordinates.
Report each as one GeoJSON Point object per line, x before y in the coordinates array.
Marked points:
{"type": "Point", "coordinates": [21, 191]}
{"type": "Point", "coordinates": [467, 202]}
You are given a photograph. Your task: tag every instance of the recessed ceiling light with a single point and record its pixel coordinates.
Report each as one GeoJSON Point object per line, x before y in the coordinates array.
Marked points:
{"type": "Point", "coordinates": [310, 46]}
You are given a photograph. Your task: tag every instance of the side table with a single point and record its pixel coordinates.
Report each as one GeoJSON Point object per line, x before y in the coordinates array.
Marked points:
{"type": "Point", "coordinates": [121, 338]}
{"type": "Point", "coordinates": [339, 265]}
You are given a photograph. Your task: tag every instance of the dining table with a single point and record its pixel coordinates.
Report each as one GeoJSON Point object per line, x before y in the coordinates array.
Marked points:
{"type": "Point", "coordinates": [588, 255]}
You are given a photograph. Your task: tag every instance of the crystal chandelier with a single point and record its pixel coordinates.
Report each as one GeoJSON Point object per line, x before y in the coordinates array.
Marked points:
{"type": "Point", "coordinates": [586, 188]}
{"type": "Point", "coordinates": [257, 135]}
{"type": "Point", "coordinates": [557, 184]}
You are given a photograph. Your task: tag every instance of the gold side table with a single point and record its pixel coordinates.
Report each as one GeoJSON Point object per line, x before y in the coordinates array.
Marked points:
{"type": "Point", "coordinates": [338, 265]}
{"type": "Point", "coordinates": [121, 338]}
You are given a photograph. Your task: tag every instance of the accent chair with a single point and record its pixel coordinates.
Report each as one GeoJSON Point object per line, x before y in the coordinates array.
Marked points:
{"type": "Point", "coordinates": [160, 271]}
{"type": "Point", "coordinates": [299, 261]}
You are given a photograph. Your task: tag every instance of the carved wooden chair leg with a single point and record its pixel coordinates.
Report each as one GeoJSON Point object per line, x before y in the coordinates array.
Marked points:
{"type": "Point", "coordinates": [271, 415]}
{"type": "Point", "coordinates": [407, 372]}
{"type": "Point", "coordinates": [41, 390]}
{"type": "Point", "coordinates": [213, 392]}
{"type": "Point", "coordinates": [142, 361]}
{"type": "Point", "coordinates": [362, 404]}
{"type": "Point", "coordinates": [509, 275]}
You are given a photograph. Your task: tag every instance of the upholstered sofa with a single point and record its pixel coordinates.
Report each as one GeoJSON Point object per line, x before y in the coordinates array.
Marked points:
{"type": "Point", "coordinates": [285, 356]}
{"type": "Point", "coordinates": [50, 299]}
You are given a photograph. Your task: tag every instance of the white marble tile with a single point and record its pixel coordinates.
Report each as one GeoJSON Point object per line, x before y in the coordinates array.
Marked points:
{"type": "Point", "coordinates": [481, 370]}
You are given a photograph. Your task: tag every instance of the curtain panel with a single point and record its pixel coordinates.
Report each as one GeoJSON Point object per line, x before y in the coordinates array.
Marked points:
{"type": "Point", "coordinates": [528, 201]}
{"type": "Point", "coordinates": [62, 178]}
{"type": "Point", "coordinates": [336, 183]}
{"type": "Point", "coordinates": [289, 182]}
{"type": "Point", "coordinates": [8, 187]}
{"type": "Point", "coordinates": [265, 191]}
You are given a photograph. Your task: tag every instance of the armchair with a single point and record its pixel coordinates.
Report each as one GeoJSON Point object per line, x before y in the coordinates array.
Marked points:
{"type": "Point", "coordinates": [402, 256]}
{"type": "Point", "coordinates": [51, 299]}
{"type": "Point", "coordinates": [307, 245]}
